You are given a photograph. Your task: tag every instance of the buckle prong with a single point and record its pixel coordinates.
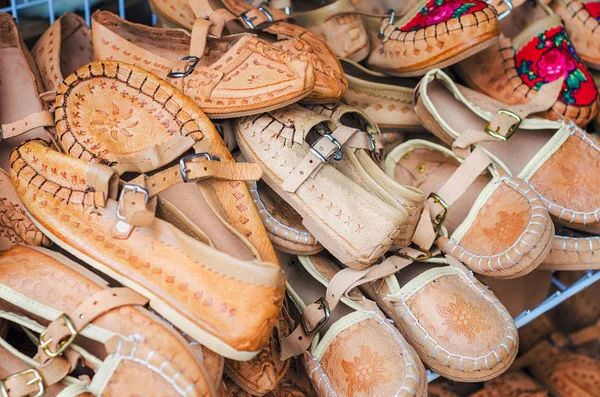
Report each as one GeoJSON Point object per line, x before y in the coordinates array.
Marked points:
{"type": "Point", "coordinates": [338, 154]}
{"type": "Point", "coordinates": [511, 130]}
{"type": "Point", "coordinates": [134, 189]}
{"type": "Point", "coordinates": [251, 25]}
{"type": "Point", "coordinates": [184, 160]}
{"type": "Point", "coordinates": [190, 69]}
{"type": "Point", "coordinates": [441, 217]}
{"type": "Point", "coordinates": [37, 378]}
{"type": "Point", "coordinates": [323, 305]}
{"type": "Point", "coordinates": [426, 255]}
{"type": "Point", "coordinates": [64, 345]}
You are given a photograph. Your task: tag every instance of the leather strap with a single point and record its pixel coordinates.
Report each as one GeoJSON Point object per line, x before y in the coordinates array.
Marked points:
{"type": "Point", "coordinates": [585, 335]}
{"type": "Point", "coordinates": [199, 36]}
{"type": "Point", "coordinates": [27, 123]}
{"type": "Point", "coordinates": [357, 12]}
{"type": "Point", "coordinates": [31, 382]}
{"type": "Point", "coordinates": [343, 282]}
{"type": "Point", "coordinates": [89, 310]}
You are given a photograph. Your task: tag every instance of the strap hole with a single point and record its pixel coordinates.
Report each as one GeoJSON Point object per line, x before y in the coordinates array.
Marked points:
{"type": "Point", "coordinates": [204, 168]}
{"type": "Point", "coordinates": [310, 161]}
{"type": "Point", "coordinates": [301, 172]}
{"type": "Point", "coordinates": [95, 303]}
{"type": "Point", "coordinates": [81, 316]}
{"type": "Point", "coordinates": [300, 338]}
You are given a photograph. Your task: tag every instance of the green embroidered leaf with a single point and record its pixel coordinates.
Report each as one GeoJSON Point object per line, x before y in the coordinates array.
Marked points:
{"type": "Point", "coordinates": [574, 79]}
{"type": "Point", "coordinates": [463, 9]}
{"type": "Point", "coordinates": [538, 85]}
{"type": "Point", "coordinates": [524, 68]}
{"type": "Point", "coordinates": [567, 96]}
{"type": "Point", "coordinates": [542, 41]}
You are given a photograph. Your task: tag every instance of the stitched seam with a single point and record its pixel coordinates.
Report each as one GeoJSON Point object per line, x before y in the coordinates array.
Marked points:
{"type": "Point", "coordinates": [329, 389]}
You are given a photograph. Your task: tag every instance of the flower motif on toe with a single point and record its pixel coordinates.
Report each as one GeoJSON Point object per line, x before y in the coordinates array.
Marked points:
{"type": "Point", "coordinates": [462, 318]}
{"type": "Point", "coordinates": [506, 230]}
{"type": "Point", "coordinates": [440, 11]}
{"type": "Point", "coordinates": [365, 372]}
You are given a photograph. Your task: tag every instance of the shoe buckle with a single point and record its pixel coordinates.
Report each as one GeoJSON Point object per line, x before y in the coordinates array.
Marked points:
{"type": "Point", "coordinates": [37, 379]}
{"type": "Point", "coordinates": [441, 217]}
{"type": "Point", "coordinates": [64, 345]}
{"type": "Point", "coordinates": [510, 8]}
{"type": "Point", "coordinates": [192, 65]}
{"type": "Point", "coordinates": [265, 11]}
{"type": "Point", "coordinates": [390, 21]}
{"type": "Point", "coordinates": [426, 255]}
{"type": "Point", "coordinates": [134, 189]}
{"type": "Point", "coordinates": [184, 160]}
{"type": "Point", "coordinates": [323, 305]}
{"type": "Point", "coordinates": [511, 130]}
{"type": "Point", "coordinates": [337, 154]}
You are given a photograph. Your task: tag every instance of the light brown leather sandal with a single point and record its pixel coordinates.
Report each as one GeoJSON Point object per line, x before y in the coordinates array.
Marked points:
{"type": "Point", "coordinates": [512, 384]}
{"type": "Point", "coordinates": [433, 34]}
{"type": "Point", "coordinates": [63, 48]}
{"type": "Point", "coordinates": [457, 326]}
{"type": "Point", "coordinates": [557, 159]}
{"type": "Point", "coordinates": [235, 16]}
{"type": "Point", "coordinates": [497, 224]}
{"type": "Point", "coordinates": [74, 203]}
{"type": "Point", "coordinates": [294, 147]}
{"type": "Point", "coordinates": [534, 50]}
{"type": "Point", "coordinates": [79, 318]}
{"type": "Point", "coordinates": [581, 310]}
{"type": "Point", "coordinates": [228, 77]}
{"type": "Point", "coordinates": [572, 253]}
{"type": "Point", "coordinates": [349, 346]}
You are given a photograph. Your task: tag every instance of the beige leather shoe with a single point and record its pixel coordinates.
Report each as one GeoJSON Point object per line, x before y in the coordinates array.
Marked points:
{"type": "Point", "coordinates": [77, 316]}
{"type": "Point", "coordinates": [512, 384]}
{"type": "Point", "coordinates": [295, 147]}
{"type": "Point", "coordinates": [222, 83]}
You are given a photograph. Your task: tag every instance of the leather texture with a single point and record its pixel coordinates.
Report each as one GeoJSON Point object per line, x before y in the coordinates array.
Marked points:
{"type": "Point", "coordinates": [76, 206]}
{"type": "Point", "coordinates": [222, 83]}
{"type": "Point", "coordinates": [330, 83]}
{"type": "Point", "coordinates": [432, 34]}
{"type": "Point", "coordinates": [334, 208]}
{"type": "Point", "coordinates": [42, 277]}
{"type": "Point", "coordinates": [456, 325]}
{"type": "Point", "coordinates": [512, 384]}
{"type": "Point", "coordinates": [539, 51]}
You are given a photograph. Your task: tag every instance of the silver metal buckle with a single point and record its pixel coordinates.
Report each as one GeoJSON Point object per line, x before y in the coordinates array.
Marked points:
{"type": "Point", "coordinates": [391, 21]}
{"type": "Point", "coordinates": [37, 378]}
{"type": "Point", "coordinates": [45, 343]}
{"type": "Point", "coordinates": [185, 159]}
{"type": "Point", "coordinates": [135, 189]}
{"type": "Point", "coordinates": [321, 322]}
{"type": "Point", "coordinates": [506, 13]}
{"type": "Point", "coordinates": [189, 70]}
{"type": "Point", "coordinates": [338, 154]}
{"type": "Point", "coordinates": [248, 21]}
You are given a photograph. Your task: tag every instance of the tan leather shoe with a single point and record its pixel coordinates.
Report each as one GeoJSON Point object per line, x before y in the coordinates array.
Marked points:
{"type": "Point", "coordinates": [496, 223]}
{"type": "Point", "coordinates": [295, 147]}
{"type": "Point", "coordinates": [79, 317]}
{"type": "Point", "coordinates": [433, 34]}
{"type": "Point", "coordinates": [581, 19]}
{"type": "Point", "coordinates": [353, 336]}
{"type": "Point", "coordinates": [222, 83]}
{"type": "Point", "coordinates": [457, 326]}
{"type": "Point", "coordinates": [73, 202]}
{"type": "Point", "coordinates": [535, 50]}
{"type": "Point", "coordinates": [23, 115]}
{"type": "Point", "coordinates": [557, 159]}
{"type": "Point", "coordinates": [234, 16]}
{"type": "Point", "coordinates": [580, 311]}
{"type": "Point", "coordinates": [63, 48]}
{"type": "Point", "coordinates": [512, 384]}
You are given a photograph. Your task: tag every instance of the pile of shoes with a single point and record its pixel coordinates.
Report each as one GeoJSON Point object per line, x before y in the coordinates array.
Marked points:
{"type": "Point", "coordinates": [294, 198]}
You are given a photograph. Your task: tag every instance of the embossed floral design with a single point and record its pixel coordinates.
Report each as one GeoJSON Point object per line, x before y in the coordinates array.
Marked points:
{"type": "Point", "coordinates": [506, 231]}
{"type": "Point", "coordinates": [550, 56]}
{"type": "Point", "coordinates": [440, 11]}
{"type": "Point", "coordinates": [578, 182]}
{"type": "Point", "coordinates": [365, 372]}
{"type": "Point", "coordinates": [114, 123]}
{"type": "Point", "coordinates": [462, 317]}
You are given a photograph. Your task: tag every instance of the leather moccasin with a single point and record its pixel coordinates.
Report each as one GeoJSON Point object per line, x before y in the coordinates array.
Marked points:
{"type": "Point", "coordinates": [534, 50]}
{"type": "Point", "coordinates": [228, 77]}
{"type": "Point", "coordinates": [129, 349]}
{"type": "Point", "coordinates": [236, 16]}
{"type": "Point", "coordinates": [63, 48]}
{"type": "Point", "coordinates": [557, 159]}
{"type": "Point", "coordinates": [295, 146]}
{"type": "Point", "coordinates": [457, 326]}
{"type": "Point", "coordinates": [352, 336]}
{"type": "Point", "coordinates": [512, 384]}
{"type": "Point", "coordinates": [433, 34]}
{"type": "Point", "coordinates": [497, 224]}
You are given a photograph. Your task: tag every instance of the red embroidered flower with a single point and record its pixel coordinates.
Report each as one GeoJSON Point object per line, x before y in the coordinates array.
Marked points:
{"type": "Point", "coordinates": [440, 11]}
{"type": "Point", "coordinates": [593, 7]}
{"type": "Point", "coordinates": [439, 14]}
{"type": "Point", "coordinates": [554, 64]}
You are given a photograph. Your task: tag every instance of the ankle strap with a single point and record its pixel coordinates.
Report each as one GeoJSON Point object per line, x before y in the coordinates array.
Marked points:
{"type": "Point", "coordinates": [26, 124]}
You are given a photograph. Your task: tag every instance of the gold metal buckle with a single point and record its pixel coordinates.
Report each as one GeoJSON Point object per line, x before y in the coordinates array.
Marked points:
{"type": "Point", "coordinates": [511, 130]}
{"type": "Point", "coordinates": [426, 255]}
{"type": "Point", "coordinates": [441, 217]}
{"type": "Point", "coordinates": [44, 344]}
{"type": "Point", "coordinates": [321, 322]}
{"type": "Point", "coordinates": [37, 378]}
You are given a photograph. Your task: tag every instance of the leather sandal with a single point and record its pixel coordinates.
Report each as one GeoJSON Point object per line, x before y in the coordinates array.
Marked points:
{"type": "Point", "coordinates": [295, 147]}
{"type": "Point", "coordinates": [358, 164]}
{"type": "Point", "coordinates": [557, 159]}
{"type": "Point", "coordinates": [241, 75]}
{"type": "Point", "coordinates": [581, 310]}
{"type": "Point", "coordinates": [348, 345]}
{"type": "Point", "coordinates": [75, 204]}
{"type": "Point", "coordinates": [24, 116]}
{"type": "Point", "coordinates": [457, 326]}
{"type": "Point", "coordinates": [497, 224]}
{"type": "Point", "coordinates": [534, 50]}
{"type": "Point", "coordinates": [81, 320]}
{"type": "Point", "coordinates": [433, 34]}
{"type": "Point", "coordinates": [63, 48]}
{"type": "Point", "coordinates": [235, 16]}
{"type": "Point", "coordinates": [512, 384]}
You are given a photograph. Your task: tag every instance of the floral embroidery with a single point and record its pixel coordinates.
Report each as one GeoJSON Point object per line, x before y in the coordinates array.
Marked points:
{"type": "Point", "coordinates": [593, 7]}
{"type": "Point", "coordinates": [440, 11]}
{"type": "Point", "coordinates": [580, 186]}
{"type": "Point", "coordinates": [365, 373]}
{"type": "Point", "coordinates": [506, 231]}
{"type": "Point", "coordinates": [550, 56]}
{"type": "Point", "coordinates": [463, 318]}
{"type": "Point", "coordinates": [115, 123]}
